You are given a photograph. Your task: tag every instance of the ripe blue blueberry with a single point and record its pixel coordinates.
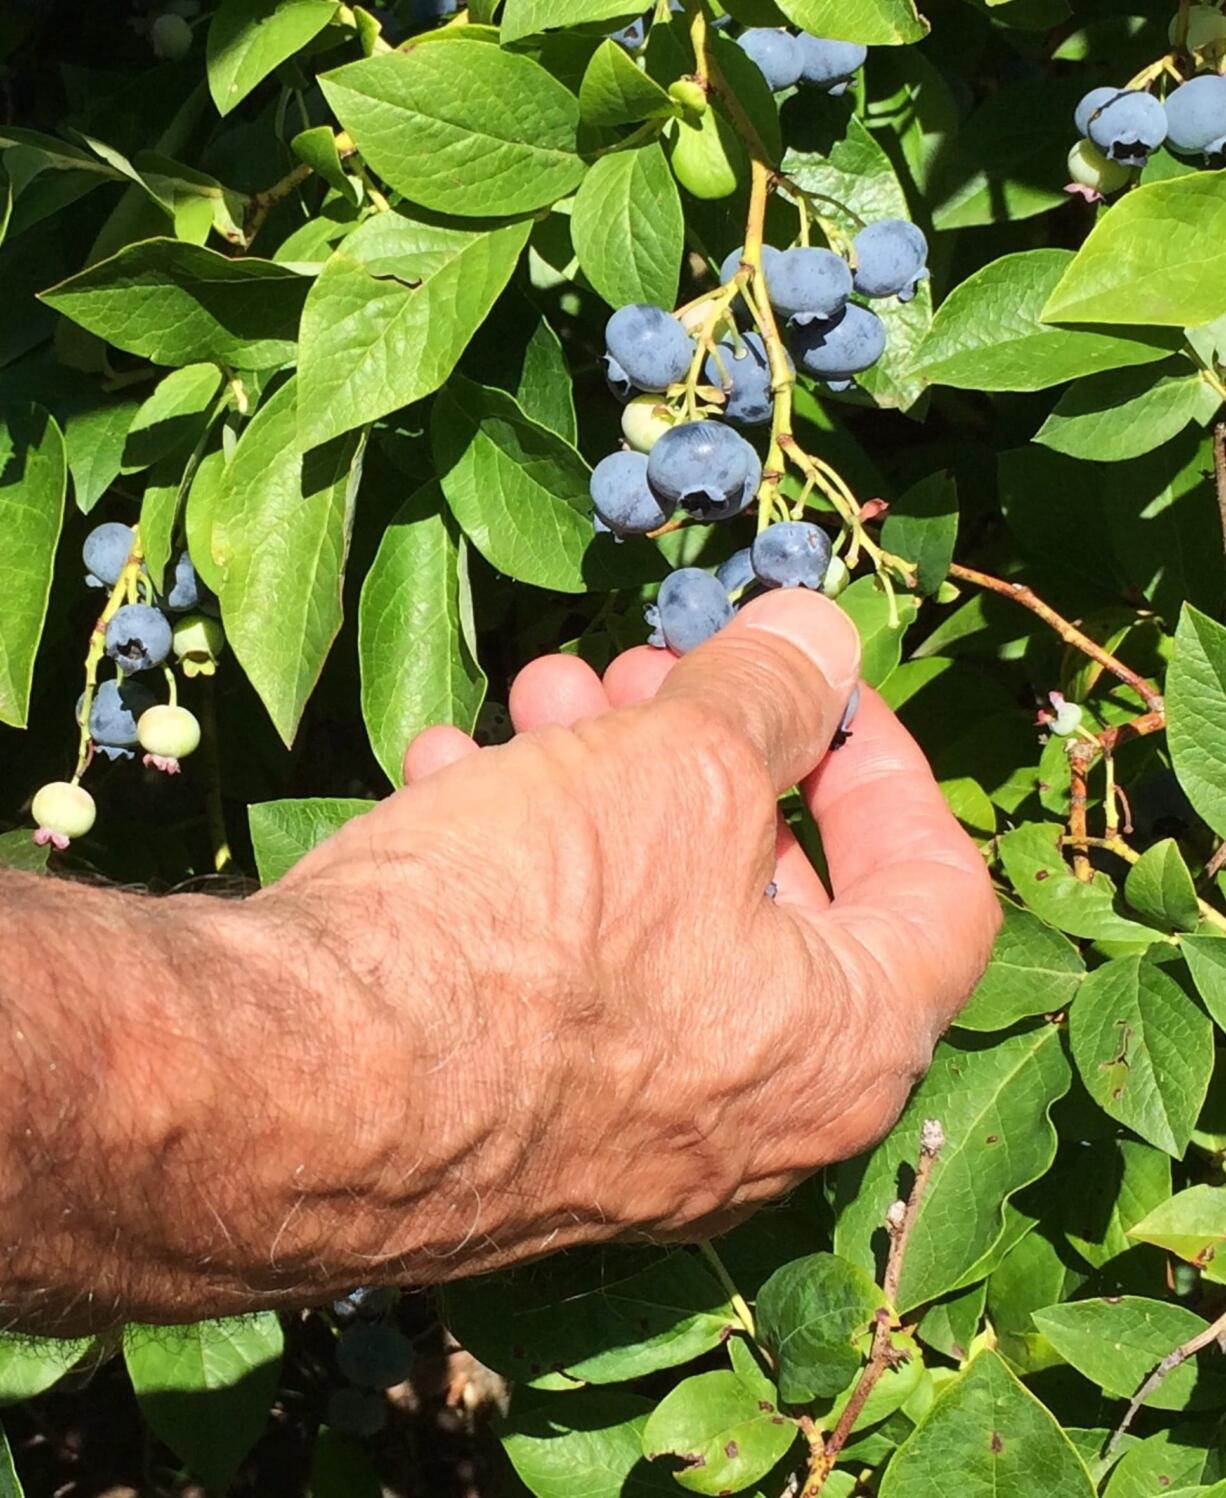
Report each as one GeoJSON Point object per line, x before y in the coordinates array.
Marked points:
{"type": "Point", "coordinates": [737, 572]}
{"type": "Point", "coordinates": [891, 259]}
{"type": "Point", "coordinates": [651, 348]}
{"type": "Point", "coordinates": [810, 285]}
{"type": "Point", "coordinates": [367, 1303]}
{"type": "Point", "coordinates": [616, 378]}
{"type": "Point", "coordinates": [1090, 105]}
{"type": "Point", "coordinates": [829, 65]}
{"type": "Point", "coordinates": [104, 553]}
{"type": "Point", "coordinates": [1128, 127]}
{"type": "Point", "coordinates": [1196, 116]}
{"type": "Point", "coordinates": [113, 716]}
{"type": "Point", "coordinates": [374, 1356]}
{"type": "Point", "coordinates": [689, 608]}
{"type": "Point", "coordinates": [732, 263]}
{"type": "Point", "coordinates": [621, 498]}
{"type": "Point", "coordinates": [742, 372]}
{"type": "Point", "coordinates": [631, 37]}
{"type": "Point", "coordinates": [776, 53]}
{"type": "Point", "coordinates": [187, 591]}
{"type": "Point", "coordinates": [843, 732]}
{"type": "Point", "coordinates": [835, 351]}
{"type": "Point", "coordinates": [706, 468]}
{"type": "Point", "coordinates": [138, 637]}
{"type": "Point", "coordinates": [356, 1412]}
{"type": "Point", "coordinates": [791, 554]}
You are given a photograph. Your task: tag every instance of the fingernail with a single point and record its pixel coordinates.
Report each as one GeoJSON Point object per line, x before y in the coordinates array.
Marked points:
{"type": "Point", "coordinates": [815, 626]}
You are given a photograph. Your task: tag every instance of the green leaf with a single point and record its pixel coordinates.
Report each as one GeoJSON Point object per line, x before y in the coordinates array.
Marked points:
{"type": "Point", "coordinates": [543, 390]}
{"type": "Point", "coordinates": [1166, 1462]}
{"type": "Point", "coordinates": [10, 1484]}
{"type": "Point", "coordinates": [1126, 412]}
{"type": "Point", "coordinates": [1159, 257]}
{"type": "Point", "coordinates": [988, 1428]}
{"type": "Point", "coordinates": [1111, 1186]}
{"type": "Point", "coordinates": [1034, 1272]}
{"type": "Point", "coordinates": [628, 228]}
{"type": "Point", "coordinates": [597, 1316]}
{"type": "Point", "coordinates": [280, 534]}
{"type": "Point", "coordinates": [521, 18]}
{"type": "Point", "coordinates": [1143, 1049]}
{"type": "Point", "coordinates": [1043, 881]}
{"type": "Point", "coordinates": [952, 1323]}
{"type": "Point", "coordinates": [520, 494]}
{"type": "Point", "coordinates": [922, 527]}
{"type": "Point", "coordinates": [317, 147]}
{"type": "Point", "coordinates": [877, 23]}
{"type": "Point", "coordinates": [1117, 1344]}
{"type": "Point", "coordinates": [33, 482]}
{"type": "Point", "coordinates": [282, 832]}
{"type": "Point", "coordinates": [390, 313]}
{"type": "Point", "coordinates": [416, 645]}
{"type": "Point", "coordinates": [616, 92]}
{"type": "Point", "coordinates": [815, 1314]}
{"type": "Point", "coordinates": [1159, 886]}
{"type": "Point", "coordinates": [987, 334]}
{"type": "Point", "coordinates": [880, 641]}
{"type": "Point", "coordinates": [206, 1389]}
{"type": "Point", "coordinates": [589, 1444]}
{"type": "Point", "coordinates": [18, 850]}
{"type": "Point", "coordinates": [1192, 1224]}
{"type": "Point", "coordinates": [1206, 959]}
{"type": "Point", "coordinates": [28, 1365]}
{"type": "Point", "coordinates": [1196, 714]}
{"type": "Point", "coordinates": [94, 441]}
{"type": "Point", "coordinates": [1034, 970]}
{"type": "Point", "coordinates": [725, 1435]}
{"type": "Point", "coordinates": [179, 303]}
{"type": "Point", "coordinates": [249, 38]}
{"type": "Point", "coordinates": [992, 1102]}
{"type": "Point", "coordinates": [173, 417]}
{"type": "Point", "coordinates": [464, 127]}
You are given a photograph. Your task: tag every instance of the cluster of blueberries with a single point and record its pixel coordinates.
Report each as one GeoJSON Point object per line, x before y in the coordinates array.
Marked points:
{"type": "Point", "coordinates": [372, 1356]}
{"type": "Point", "coordinates": [124, 713]}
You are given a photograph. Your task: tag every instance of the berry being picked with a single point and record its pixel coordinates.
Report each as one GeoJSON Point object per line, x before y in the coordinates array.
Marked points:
{"type": "Point", "coordinates": [187, 591]}
{"type": "Point", "coordinates": [835, 351]}
{"type": "Point", "coordinates": [706, 468]}
{"type": "Point", "coordinates": [62, 811]}
{"type": "Point", "coordinates": [742, 371]}
{"type": "Point", "coordinates": [891, 259]}
{"type": "Point", "coordinates": [1206, 25]}
{"type": "Point", "coordinates": [737, 572]}
{"type": "Point", "coordinates": [1196, 116]}
{"type": "Point", "coordinates": [644, 422]}
{"type": "Point", "coordinates": [367, 1302]}
{"type": "Point", "coordinates": [651, 348]}
{"type": "Point", "coordinates": [777, 54]}
{"type": "Point", "coordinates": [843, 732]}
{"type": "Point", "coordinates": [1092, 175]}
{"type": "Point", "coordinates": [105, 551]}
{"type": "Point", "coordinates": [138, 637]}
{"type": "Point", "coordinates": [690, 607]}
{"type": "Point", "coordinates": [170, 37]}
{"type": "Point", "coordinates": [356, 1412]}
{"type": "Point", "coordinates": [624, 503]}
{"type": "Point", "coordinates": [1126, 127]}
{"type": "Point", "coordinates": [829, 65]}
{"type": "Point", "coordinates": [198, 641]}
{"type": "Point", "coordinates": [809, 285]}
{"type": "Point", "coordinates": [373, 1356]}
{"type": "Point", "coordinates": [791, 554]}
{"type": "Point", "coordinates": [113, 716]}
{"type": "Point", "coordinates": [167, 734]}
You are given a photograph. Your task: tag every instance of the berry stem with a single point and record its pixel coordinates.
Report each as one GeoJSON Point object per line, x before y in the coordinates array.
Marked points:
{"type": "Point", "coordinates": [735, 1299]}
{"type": "Point", "coordinates": [125, 587]}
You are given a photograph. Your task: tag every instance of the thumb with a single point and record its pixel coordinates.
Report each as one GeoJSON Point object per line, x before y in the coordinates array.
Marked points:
{"type": "Point", "coordinates": [779, 675]}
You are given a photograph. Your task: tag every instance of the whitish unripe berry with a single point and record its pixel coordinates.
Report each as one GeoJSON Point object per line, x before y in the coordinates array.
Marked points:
{"type": "Point", "coordinates": [837, 577]}
{"type": "Point", "coordinates": [1206, 25]}
{"type": "Point", "coordinates": [644, 422]}
{"type": "Point", "coordinates": [63, 811]}
{"type": "Point", "coordinates": [198, 640]}
{"type": "Point", "coordinates": [170, 36]}
{"type": "Point", "coordinates": [1089, 168]}
{"type": "Point", "coordinates": [167, 734]}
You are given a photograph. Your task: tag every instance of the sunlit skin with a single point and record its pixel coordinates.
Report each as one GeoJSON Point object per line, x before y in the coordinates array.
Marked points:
{"type": "Point", "coordinates": [540, 997]}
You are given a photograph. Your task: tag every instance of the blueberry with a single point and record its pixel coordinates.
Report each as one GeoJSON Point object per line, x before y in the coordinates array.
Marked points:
{"type": "Point", "coordinates": [737, 572]}
{"type": "Point", "coordinates": [891, 259]}
{"type": "Point", "coordinates": [170, 37]}
{"type": "Point", "coordinates": [732, 263]}
{"type": "Point", "coordinates": [690, 607]}
{"type": "Point", "coordinates": [617, 379]}
{"type": "Point", "coordinates": [835, 351]}
{"type": "Point", "coordinates": [829, 65]}
{"type": "Point", "coordinates": [1196, 116]}
{"type": "Point", "coordinates": [167, 733]}
{"type": "Point", "coordinates": [374, 1356]}
{"type": "Point", "coordinates": [1090, 171]}
{"type": "Point", "coordinates": [188, 592]}
{"type": "Point", "coordinates": [706, 468]}
{"type": "Point", "coordinates": [62, 811]}
{"type": "Point", "coordinates": [113, 716]}
{"type": "Point", "coordinates": [1127, 127]}
{"type": "Point", "coordinates": [138, 637]}
{"type": "Point", "coordinates": [104, 553]}
{"type": "Point", "coordinates": [809, 285]}
{"type": "Point", "coordinates": [1090, 105]}
{"type": "Point", "coordinates": [357, 1412]}
{"type": "Point", "coordinates": [434, 10]}
{"type": "Point", "coordinates": [631, 37]}
{"type": "Point", "coordinates": [843, 732]}
{"type": "Point", "coordinates": [742, 371]}
{"type": "Point", "coordinates": [198, 642]}
{"type": "Point", "coordinates": [791, 554]}
{"type": "Point", "coordinates": [621, 498]}
{"type": "Point", "coordinates": [649, 346]}
{"type": "Point", "coordinates": [776, 53]}
{"type": "Point", "coordinates": [366, 1303]}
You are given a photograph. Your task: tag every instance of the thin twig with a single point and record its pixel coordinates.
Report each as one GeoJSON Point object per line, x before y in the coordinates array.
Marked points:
{"type": "Point", "coordinates": [1175, 1359]}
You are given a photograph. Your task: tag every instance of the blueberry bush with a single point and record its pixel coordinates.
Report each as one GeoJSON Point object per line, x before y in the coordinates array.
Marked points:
{"type": "Point", "coordinates": [353, 357]}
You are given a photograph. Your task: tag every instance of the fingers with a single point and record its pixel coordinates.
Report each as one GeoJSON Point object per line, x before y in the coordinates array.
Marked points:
{"type": "Point", "coordinates": [778, 676]}
{"type": "Point", "coordinates": [797, 882]}
{"type": "Point", "coordinates": [637, 674]}
{"type": "Point", "coordinates": [555, 689]}
{"type": "Point", "coordinates": [434, 749]}
{"type": "Point", "coordinates": [913, 904]}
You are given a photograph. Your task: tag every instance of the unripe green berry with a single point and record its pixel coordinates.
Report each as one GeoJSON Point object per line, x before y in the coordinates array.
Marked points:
{"type": "Point", "coordinates": [837, 577]}
{"type": "Point", "coordinates": [170, 37]}
{"type": "Point", "coordinates": [690, 94]}
{"type": "Point", "coordinates": [645, 419]}
{"type": "Point", "coordinates": [198, 640]}
{"type": "Point", "coordinates": [167, 734]}
{"type": "Point", "coordinates": [63, 811]}
{"type": "Point", "coordinates": [1206, 25]}
{"type": "Point", "coordinates": [1088, 167]}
